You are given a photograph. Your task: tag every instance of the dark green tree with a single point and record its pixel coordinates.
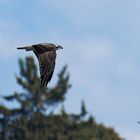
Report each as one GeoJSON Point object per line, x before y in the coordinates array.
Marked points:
{"type": "Point", "coordinates": [83, 109]}
{"type": "Point", "coordinates": [35, 118]}
{"type": "Point", "coordinates": [37, 98]}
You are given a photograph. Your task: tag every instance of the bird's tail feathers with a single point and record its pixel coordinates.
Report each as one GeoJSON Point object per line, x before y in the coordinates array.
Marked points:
{"type": "Point", "coordinates": [27, 48]}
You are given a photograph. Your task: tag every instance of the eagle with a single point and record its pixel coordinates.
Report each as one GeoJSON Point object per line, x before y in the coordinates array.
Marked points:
{"type": "Point", "coordinates": [46, 55]}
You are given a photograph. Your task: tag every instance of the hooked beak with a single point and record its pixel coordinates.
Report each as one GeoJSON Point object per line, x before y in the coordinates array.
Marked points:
{"type": "Point", "coordinates": [59, 47]}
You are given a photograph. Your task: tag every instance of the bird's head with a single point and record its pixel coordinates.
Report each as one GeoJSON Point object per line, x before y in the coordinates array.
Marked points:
{"type": "Point", "coordinates": [58, 47]}
{"type": "Point", "coordinates": [50, 46]}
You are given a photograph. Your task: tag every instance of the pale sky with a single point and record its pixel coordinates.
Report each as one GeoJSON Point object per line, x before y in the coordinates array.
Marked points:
{"type": "Point", "coordinates": [101, 47]}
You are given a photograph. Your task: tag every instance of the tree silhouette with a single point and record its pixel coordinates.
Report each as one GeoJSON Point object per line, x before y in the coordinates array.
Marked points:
{"type": "Point", "coordinates": [33, 120]}
{"type": "Point", "coordinates": [37, 98]}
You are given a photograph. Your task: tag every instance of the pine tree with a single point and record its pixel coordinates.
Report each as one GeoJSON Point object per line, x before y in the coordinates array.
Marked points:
{"type": "Point", "coordinates": [33, 121]}
{"type": "Point", "coordinates": [83, 109]}
{"type": "Point", "coordinates": [37, 98]}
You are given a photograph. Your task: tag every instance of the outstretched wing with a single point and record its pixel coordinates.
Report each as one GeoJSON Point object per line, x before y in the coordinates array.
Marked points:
{"type": "Point", "coordinates": [46, 60]}
{"type": "Point", "coordinates": [47, 65]}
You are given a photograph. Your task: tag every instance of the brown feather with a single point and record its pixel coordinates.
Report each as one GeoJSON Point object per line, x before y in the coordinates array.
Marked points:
{"type": "Point", "coordinates": [46, 54]}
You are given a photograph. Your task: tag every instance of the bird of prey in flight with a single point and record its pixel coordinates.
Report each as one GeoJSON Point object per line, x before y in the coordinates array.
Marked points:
{"type": "Point", "coordinates": [46, 55]}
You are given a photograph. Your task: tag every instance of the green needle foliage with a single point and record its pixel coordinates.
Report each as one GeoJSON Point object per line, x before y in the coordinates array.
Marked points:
{"type": "Point", "coordinates": [35, 120]}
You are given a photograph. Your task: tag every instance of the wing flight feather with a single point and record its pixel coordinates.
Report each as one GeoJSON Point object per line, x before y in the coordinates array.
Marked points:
{"type": "Point", "coordinates": [47, 65]}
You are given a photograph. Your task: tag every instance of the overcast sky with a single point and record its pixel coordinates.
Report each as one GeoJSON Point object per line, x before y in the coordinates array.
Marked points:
{"type": "Point", "coordinates": [101, 40]}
